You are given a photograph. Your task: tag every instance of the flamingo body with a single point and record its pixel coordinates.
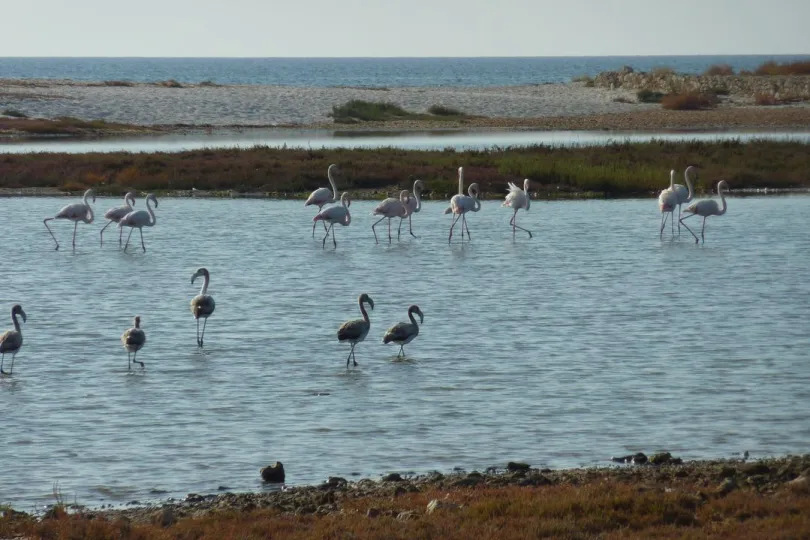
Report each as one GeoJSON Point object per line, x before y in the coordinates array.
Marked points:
{"type": "Point", "coordinates": [323, 196]}
{"type": "Point", "coordinates": [413, 206]}
{"type": "Point", "coordinates": [335, 214]}
{"type": "Point", "coordinates": [706, 208]}
{"type": "Point", "coordinates": [140, 219]}
{"type": "Point", "coordinates": [114, 215]}
{"type": "Point", "coordinates": [74, 212]}
{"type": "Point", "coordinates": [12, 341]}
{"type": "Point", "coordinates": [460, 204]}
{"type": "Point", "coordinates": [516, 199]}
{"type": "Point", "coordinates": [403, 333]}
{"type": "Point", "coordinates": [391, 208]}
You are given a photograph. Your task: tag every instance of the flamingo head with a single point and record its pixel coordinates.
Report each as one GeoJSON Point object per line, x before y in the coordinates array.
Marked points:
{"type": "Point", "coordinates": [18, 310]}
{"type": "Point", "coordinates": [137, 321]}
{"type": "Point", "coordinates": [415, 309]}
{"type": "Point", "coordinates": [367, 299]}
{"type": "Point", "coordinates": [201, 272]}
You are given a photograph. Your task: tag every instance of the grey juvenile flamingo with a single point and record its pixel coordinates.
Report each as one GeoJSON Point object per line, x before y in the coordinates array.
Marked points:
{"type": "Point", "coordinates": [11, 341]}
{"type": "Point", "coordinates": [203, 304]}
{"type": "Point", "coordinates": [133, 340]}
{"type": "Point", "coordinates": [403, 333]}
{"type": "Point", "coordinates": [356, 331]}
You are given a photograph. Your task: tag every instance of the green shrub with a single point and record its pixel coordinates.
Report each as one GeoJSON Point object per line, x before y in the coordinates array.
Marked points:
{"type": "Point", "coordinates": [442, 110]}
{"type": "Point", "coordinates": [367, 111]}
{"type": "Point", "coordinates": [649, 96]}
{"type": "Point", "coordinates": [14, 113]}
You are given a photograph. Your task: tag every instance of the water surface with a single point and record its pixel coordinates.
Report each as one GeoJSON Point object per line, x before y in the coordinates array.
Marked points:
{"type": "Point", "coordinates": [595, 338]}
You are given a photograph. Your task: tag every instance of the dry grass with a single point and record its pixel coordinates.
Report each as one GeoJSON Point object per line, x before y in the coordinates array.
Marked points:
{"type": "Point", "coordinates": [598, 509]}
{"type": "Point", "coordinates": [788, 68]}
{"type": "Point", "coordinates": [119, 83]}
{"type": "Point", "coordinates": [687, 102]}
{"type": "Point", "coordinates": [612, 171]}
{"type": "Point", "coordinates": [719, 69]}
{"type": "Point", "coordinates": [63, 126]}
{"type": "Point", "coordinates": [766, 100]}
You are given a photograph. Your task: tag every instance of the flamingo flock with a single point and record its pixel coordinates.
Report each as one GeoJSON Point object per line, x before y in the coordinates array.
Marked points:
{"type": "Point", "coordinates": [403, 207]}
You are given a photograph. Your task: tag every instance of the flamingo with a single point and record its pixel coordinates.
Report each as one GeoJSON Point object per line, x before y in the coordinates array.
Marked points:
{"type": "Point", "coordinates": [666, 203]}
{"type": "Point", "coordinates": [322, 196]}
{"type": "Point", "coordinates": [335, 214]}
{"type": "Point", "coordinates": [203, 304]}
{"type": "Point", "coordinates": [685, 194]}
{"type": "Point", "coordinates": [140, 219]}
{"type": "Point", "coordinates": [11, 341]}
{"type": "Point", "coordinates": [356, 331]}
{"type": "Point", "coordinates": [414, 205]}
{"type": "Point", "coordinates": [391, 208]}
{"type": "Point", "coordinates": [706, 208]}
{"type": "Point", "coordinates": [461, 204]}
{"type": "Point", "coordinates": [74, 212]}
{"type": "Point", "coordinates": [403, 333]}
{"type": "Point", "coordinates": [133, 339]}
{"type": "Point", "coordinates": [114, 215]}
{"type": "Point", "coordinates": [517, 199]}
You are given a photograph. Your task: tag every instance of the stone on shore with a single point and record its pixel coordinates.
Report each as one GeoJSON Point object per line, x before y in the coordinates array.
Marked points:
{"type": "Point", "coordinates": [517, 466]}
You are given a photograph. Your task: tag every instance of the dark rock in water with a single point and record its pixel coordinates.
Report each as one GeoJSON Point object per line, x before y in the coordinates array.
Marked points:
{"type": "Point", "coordinates": [517, 466]}
{"type": "Point", "coordinates": [273, 473]}
{"type": "Point", "coordinates": [223, 488]}
{"type": "Point", "coordinates": [336, 481]}
{"type": "Point", "coordinates": [660, 459]}
{"type": "Point", "coordinates": [637, 458]}
{"type": "Point", "coordinates": [545, 471]}
{"type": "Point", "coordinates": [393, 477]}
{"type": "Point", "coordinates": [194, 498]}
{"type": "Point", "coordinates": [755, 468]}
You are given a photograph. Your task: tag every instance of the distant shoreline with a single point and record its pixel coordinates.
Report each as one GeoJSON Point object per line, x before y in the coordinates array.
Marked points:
{"type": "Point", "coordinates": [104, 109]}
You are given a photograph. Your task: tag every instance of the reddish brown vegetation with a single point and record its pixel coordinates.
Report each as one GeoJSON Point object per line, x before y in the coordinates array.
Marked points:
{"type": "Point", "coordinates": [719, 69]}
{"type": "Point", "coordinates": [603, 509]}
{"type": "Point", "coordinates": [788, 68]}
{"type": "Point", "coordinates": [687, 102]}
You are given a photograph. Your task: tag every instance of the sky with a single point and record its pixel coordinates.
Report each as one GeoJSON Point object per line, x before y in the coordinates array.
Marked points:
{"type": "Point", "coordinates": [411, 28]}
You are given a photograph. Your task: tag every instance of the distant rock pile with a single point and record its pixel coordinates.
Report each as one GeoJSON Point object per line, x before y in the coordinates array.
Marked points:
{"type": "Point", "coordinates": [782, 87]}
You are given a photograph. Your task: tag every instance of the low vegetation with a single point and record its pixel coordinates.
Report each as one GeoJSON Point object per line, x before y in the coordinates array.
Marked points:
{"type": "Point", "coordinates": [788, 68]}
{"type": "Point", "coordinates": [663, 70]}
{"type": "Point", "coordinates": [586, 79]}
{"type": "Point", "coordinates": [119, 83]}
{"type": "Point", "coordinates": [358, 110]}
{"type": "Point", "coordinates": [616, 170]}
{"type": "Point", "coordinates": [171, 83]}
{"type": "Point", "coordinates": [719, 69]}
{"type": "Point", "coordinates": [14, 113]}
{"type": "Point", "coordinates": [649, 96]}
{"type": "Point", "coordinates": [766, 99]}
{"type": "Point", "coordinates": [687, 102]}
{"type": "Point", "coordinates": [66, 125]}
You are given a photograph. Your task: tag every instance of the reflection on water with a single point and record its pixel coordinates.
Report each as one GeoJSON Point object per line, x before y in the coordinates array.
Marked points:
{"type": "Point", "coordinates": [594, 338]}
{"type": "Point", "coordinates": [415, 140]}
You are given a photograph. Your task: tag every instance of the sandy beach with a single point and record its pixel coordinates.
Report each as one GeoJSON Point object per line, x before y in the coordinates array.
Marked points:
{"type": "Point", "coordinates": [574, 106]}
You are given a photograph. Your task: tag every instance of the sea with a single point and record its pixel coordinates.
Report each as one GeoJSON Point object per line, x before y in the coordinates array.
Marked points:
{"type": "Point", "coordinates": [362, 72]}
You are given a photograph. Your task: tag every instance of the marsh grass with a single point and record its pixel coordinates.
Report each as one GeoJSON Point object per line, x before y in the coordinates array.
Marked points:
{"type": "Point", "coordinates": [171, 83]}
{"type": "Point", "coordinates": [719, 69]}
{"type": "Point", "coordinates": [442, 110]}
{"type": "Point", "coordinates": [65, 125]}
{"type": "Point", "coordinates": [119, 83]}
{"type": "Point", "coordinates": [607, 509]}
{"type": "Point", "coordinates": [14, 113]}
{"type": "Point", "coordinates": [788, 68]}
{"type": "Point", "coordinates": [358, 110]}
{"type": "Point", "coordinates": [615, 170]}
{"type": "Point", "coordinates": [688, 102]}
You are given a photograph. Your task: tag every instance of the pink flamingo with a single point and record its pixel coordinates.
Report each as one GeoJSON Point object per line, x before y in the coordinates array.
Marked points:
{"type": "Point", "coordinates": [335, 214]}
{"type": "Point", "coordinates": [74, 212]}
{"type": "Point", "coordinates": [391, 208]}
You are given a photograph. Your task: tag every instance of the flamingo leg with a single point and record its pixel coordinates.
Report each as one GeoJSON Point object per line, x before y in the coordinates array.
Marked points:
{"type": "Point", "coordinates": [134, 361]}
{"type": "Point", "coordinates": [129, 361]}
{"type": "Point", "coordinates": [399, 229]}
{"type": "Point", "coordinates": [672, 222]}
{"type": "Point", "coordinates": [516, 226]}
{"type": "Point", "coordinates": [463, 226]}
{"type": "Point", "coordinates": [334, 240]}
{"type": "Point", "coordinates": [198, 332]}
{"type": "Point", "coordinates": [375, 232]}
{"type": "Point", "coordinates": [389, 230]}
{"type": "Point", "coordinates": [410, 226]}
{"type": "Point", "coordinates": [702, 229]}
{"type": "Point", "coordinates": [401, 351]}
{"type": "Point", "coordinates": [455, 219]}
{"type": "Point", "coordinates": [679, 219]}
{"type": "Point", "coordinates": [2, 360]}
{"type": "Point", "coordinates": [202, 337]}
{"type": "Point", "coordinates": [687, 226]}
{"type": "Point", "coordinates": [120, 236]}
{"type": "Point", "coordinates": [75, 225]}
{"type": "Point", "coordinates": [142, 244]}
{"type": "Point", "coordinates": [663, 222]}
{"type": "Point", "coordinates": [128, 237]}
{"type": "Point", "coordinates": [323, 244]}
{"type": "Point", "coordinates": [354, 358]}
{"type": "Point", "coordinates": [348, 358]}
{"type": "Point", "coordinates": [45, 221]}
{"type": "Point", "coordinates": [102, 231]}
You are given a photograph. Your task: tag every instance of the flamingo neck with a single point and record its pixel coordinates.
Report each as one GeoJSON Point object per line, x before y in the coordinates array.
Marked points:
{"type": "Point", "coordinates": [417, 194]}
{"type": "Point", "coordinates": [411, 317]}
{"type": "Point", "coordinates": [723, 199]}
{"type": "Point", "coordinates": [672, 179]}
{"type": "Point", "coordinates": [15, 321]}
{"type": "Point", "coordinates": [688, 185]}
{"type": "Point", "coordinates": [526, 191]}
{"type": "Point", "coordinates": [127, 199]}
{"type": "Point", "coordinates": [460, 182]}
{"type": "Point", "coordinates": [88, 218]}
{"type": "Point", "coordinates": [206, 278]}
{"type": "Point", "coordinates": [152, 215]}
{"type": "Point", "coordinates": [363, 311]}
{"type": "Point", "coordinates": [332, 183]}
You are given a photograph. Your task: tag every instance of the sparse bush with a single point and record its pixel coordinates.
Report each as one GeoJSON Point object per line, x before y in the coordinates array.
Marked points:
{"type": "Point", "coordinates": [719, 69]}
{"type": "Point", "coordinates": [766, 100]}
{"type": "Point", "coordinates": [718, 91]}
{"type": "Point", "coordinates": [622, 99]}
{"type": "Point", "coordinates": [587, 79]}
{"type": "Point", "coordinates": [14, 113]}
{"type": "Point", "coordinates": [209, 83]}
{"type": "Point", "coordinates": [687, 102]}
{"type": "Point", "coordinates": [367, 111]}
{"type": "Point", "coordinates": [442, 110]}
{"type": "Point", "coordinates": [118, 83]}
{"type": "Point", "coordinates": [171, 83]}
{"type": "Point", "coordinates": [663, 70]}
{"type": "Point", "coordinates": [788, 68]}
{"type": "Point", "coordinates": [649, 96]}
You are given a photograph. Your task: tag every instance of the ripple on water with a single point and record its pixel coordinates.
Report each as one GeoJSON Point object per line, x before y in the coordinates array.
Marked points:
{"type": "Point", "coordinates": [593, 339]}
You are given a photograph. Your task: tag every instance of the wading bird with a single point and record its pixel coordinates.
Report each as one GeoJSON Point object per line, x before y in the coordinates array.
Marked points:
{"type": "Point", "coordinates": [517, 199]}
{"type": "Point", "coordinates": [391, 208]}
{"type": "Point", "coordinates": [414, 206]}
{"type": "Point", "coordinates": [74, 212]}
{"type": "Point", "coordinates": [706, 208]}
{"type": "Point", "coordinates": [667, 201]}
{"type": "Point", "coordinates": [685, 194]}
{"type": "Point", "coordinates": [403, 333]}
{"type": "Point", "coordinates": [133, 339]}
{"type": "Point", "coordinates": [11, 341]}
{"type": "Point", "coordinates": [203, 304]}
{"type": "Point", "coordinates": [140, 219]}
{"type": "Point", "coordinates": [335, 214]}
{"type": "Point", "coordinates": [460, 204]}
{"type": "Point", "coordinates": [356, 331]}
{"type": "Point", "coordinates": [114, 215]}
{"type": "Point", "coordinates": [322, 196]}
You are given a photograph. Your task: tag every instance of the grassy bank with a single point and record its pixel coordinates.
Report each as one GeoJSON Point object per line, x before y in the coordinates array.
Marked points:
{"type": "Point", "coordinates": [727, 499]}
{"type": "Point", "coordinates": [613, 171]}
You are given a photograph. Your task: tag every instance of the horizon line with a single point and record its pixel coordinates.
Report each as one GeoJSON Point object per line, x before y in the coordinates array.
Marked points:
{"type": "Point", "coordinates": [398, 57]}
